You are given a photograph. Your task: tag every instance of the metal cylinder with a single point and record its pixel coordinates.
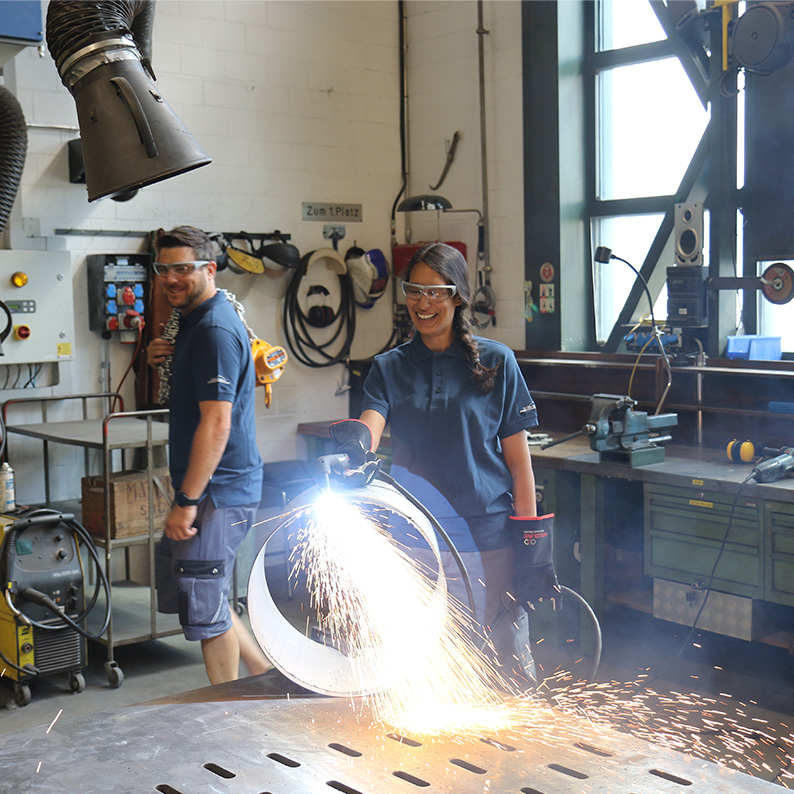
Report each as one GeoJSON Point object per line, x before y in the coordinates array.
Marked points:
{"type": "Point", "coordinates": [312, 664]}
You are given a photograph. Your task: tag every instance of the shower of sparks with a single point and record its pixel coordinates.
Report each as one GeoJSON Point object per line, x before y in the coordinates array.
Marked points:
{"type": "Point", "coordinates": [409, 642]}
{"type": "Point", "coordinates": [414, 652]}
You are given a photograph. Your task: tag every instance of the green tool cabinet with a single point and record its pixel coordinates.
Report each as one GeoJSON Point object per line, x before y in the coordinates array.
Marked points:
{"type": "Point", "coordinates": [779, 539]}
{"type": "Point", "coordinates": [685, 529]}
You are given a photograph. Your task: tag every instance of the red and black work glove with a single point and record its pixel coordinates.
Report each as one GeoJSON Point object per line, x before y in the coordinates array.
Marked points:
{"type": "Point", "coordinates": [353, 439]}
{"type": "Point", "coordinates": [534, 578]}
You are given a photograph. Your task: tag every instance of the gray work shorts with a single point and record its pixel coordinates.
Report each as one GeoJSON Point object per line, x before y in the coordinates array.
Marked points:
{"type": "Point", "coordinates": [193, 577]}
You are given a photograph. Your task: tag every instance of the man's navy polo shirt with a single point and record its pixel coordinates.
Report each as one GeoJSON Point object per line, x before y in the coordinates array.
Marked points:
{"type": "Point", "coordinates": [213, 361]}
{"type": "Point", "coordinates": [443, 428]}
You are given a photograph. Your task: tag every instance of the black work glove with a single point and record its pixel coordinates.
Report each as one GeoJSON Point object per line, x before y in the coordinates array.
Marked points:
{"type": "Point", "coordinates": [353, 438]}
{"type": "Point", "coordinates": [534, 579]}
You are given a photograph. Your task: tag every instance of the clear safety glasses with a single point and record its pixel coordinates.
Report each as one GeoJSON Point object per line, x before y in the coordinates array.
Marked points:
{"type": "Point", "coordinates": [434, 294]}
{"type": "Point", "coordinates": [178, 268]}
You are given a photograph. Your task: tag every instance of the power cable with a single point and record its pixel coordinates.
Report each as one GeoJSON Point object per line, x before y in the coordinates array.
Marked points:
{"type": "Point", "coordinates": [707, 588]}
{"type": "Point", "coordinates": [603, 255]}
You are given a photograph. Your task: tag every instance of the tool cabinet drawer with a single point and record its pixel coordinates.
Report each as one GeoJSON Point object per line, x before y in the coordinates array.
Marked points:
{"type": "Point", "coordinates": [779, 521]}
{"type": "Point", "coordinates": [688, 531]}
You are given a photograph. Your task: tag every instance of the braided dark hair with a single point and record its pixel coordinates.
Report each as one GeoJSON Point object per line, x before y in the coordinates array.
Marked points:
{"type": "Point", "coordinates": [451, 265]}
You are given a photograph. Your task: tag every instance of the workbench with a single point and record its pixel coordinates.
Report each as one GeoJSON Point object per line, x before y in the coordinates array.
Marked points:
{"type": "Point", "coordinates": [623, 532]}
{"type": "Point", "coordinates": [683, 507]}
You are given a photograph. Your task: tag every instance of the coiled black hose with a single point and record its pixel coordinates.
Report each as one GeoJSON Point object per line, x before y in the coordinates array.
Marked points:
{"type": "Point", "coordinates": [299, 338]}
{"type": "Point", "coordinates": [13, 150]}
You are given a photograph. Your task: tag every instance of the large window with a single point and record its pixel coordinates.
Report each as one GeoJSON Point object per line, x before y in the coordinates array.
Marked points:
{"type": "Point", "coordinates": [648, 122]}
{"type": "Point", "coordinates": [626, 23]}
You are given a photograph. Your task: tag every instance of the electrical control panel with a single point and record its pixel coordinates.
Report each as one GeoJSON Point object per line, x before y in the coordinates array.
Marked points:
{"type": "Point", "coordinates": [118, 291]}
{"type": "Point", "coordinates": [36, 286]}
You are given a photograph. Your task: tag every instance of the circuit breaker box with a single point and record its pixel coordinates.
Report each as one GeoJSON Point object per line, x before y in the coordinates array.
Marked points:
{"type": "Point", "coordinates": [118, 291]}
{"type": "Point", "coordinates": [36, 286]}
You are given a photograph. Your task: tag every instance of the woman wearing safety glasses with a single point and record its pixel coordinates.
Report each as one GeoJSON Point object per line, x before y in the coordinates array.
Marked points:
{"type": "Point", "coordinates": [458, 410]}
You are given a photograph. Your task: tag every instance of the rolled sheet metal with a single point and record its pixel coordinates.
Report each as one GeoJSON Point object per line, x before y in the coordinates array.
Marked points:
{"type": "Point", "coordinates": [310, 663]}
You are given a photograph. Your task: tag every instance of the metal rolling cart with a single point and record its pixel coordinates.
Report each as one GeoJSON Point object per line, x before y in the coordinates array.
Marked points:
{"type": "Point", "coordinates": [134, 615]}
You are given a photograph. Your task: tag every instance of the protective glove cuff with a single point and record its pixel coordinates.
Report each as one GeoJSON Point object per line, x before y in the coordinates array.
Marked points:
{"type": "Point", "coordinates": [535, 529]}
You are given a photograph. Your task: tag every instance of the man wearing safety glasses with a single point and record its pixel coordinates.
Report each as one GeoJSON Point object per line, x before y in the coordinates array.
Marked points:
{"type": "Point", "coordinates": [215, 465]}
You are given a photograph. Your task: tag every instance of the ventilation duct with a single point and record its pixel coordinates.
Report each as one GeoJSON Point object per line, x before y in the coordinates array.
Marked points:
{"type": "Point", "coordinates": [131, 137]}
{"type": "Point", "coordinates": [13, 149]}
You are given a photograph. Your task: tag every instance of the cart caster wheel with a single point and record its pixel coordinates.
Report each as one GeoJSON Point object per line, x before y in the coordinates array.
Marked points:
{"type": "Point", "coordinates": [115, 674]}
{"type": "Point", "coordinates": [22, 694]}
{"type": "Point", "coordinates": [240, 610]}
{"type": "Point", "coordinates": [76, 682]}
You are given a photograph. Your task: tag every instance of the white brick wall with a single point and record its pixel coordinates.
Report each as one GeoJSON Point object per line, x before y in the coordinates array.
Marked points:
{"type": "Point", "coordinates": [294, 101]}
{"type": "Point", "coordinates": [443, 90]}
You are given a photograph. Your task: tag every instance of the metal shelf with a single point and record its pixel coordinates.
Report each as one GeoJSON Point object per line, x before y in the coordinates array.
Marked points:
{"type": "Point", "coordinates": [134, 616]}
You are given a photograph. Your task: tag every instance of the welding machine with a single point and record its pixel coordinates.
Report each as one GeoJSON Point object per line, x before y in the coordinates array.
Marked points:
{"type": "Point", "coordinates": [43, 611]}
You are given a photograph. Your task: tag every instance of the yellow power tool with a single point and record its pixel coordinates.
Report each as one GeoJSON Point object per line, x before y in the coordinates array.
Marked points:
{"type": "Point", "coordinates": [269, 361]}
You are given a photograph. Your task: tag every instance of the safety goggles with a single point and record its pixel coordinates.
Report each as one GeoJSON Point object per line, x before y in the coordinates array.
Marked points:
{"type": "Point", "coordinates": [178, 268]}
{"type": "Point", "coordinates": [434, 294]}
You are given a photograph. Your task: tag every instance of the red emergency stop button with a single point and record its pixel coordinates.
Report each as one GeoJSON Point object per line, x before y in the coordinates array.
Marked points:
{"type": "Point", "coordinates": [21, 332]}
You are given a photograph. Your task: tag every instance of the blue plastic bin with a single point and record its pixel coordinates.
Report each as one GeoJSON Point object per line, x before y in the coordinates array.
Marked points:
{"type": "Point", "coordinates": [754, 347]}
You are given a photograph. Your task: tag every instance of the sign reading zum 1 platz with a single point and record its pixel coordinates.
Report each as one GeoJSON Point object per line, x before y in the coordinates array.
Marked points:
{"type": "Point", "coordinates": [322, 211]}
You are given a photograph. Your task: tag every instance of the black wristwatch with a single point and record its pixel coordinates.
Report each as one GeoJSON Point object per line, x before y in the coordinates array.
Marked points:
{"type": "Point", "coordinates": [183, 500]}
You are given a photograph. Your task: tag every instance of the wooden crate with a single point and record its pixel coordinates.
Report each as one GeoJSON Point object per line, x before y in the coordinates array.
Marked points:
{"type": "Point", "coordinates": [129, 503]}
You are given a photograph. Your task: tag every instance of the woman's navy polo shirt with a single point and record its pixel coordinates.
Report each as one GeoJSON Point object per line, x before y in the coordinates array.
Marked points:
{"type": "Point", "coordinates": [443, 428]}
{"type": "Point", "coordinates": [213, 362]}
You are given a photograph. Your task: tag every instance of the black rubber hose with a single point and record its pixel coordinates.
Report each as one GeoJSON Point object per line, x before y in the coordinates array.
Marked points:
{"type": "Point", "coordinates": [296, 327]}
{"type": "Point", "coordinates": [28, 669]}
{"type": "Point", "coordinates": [13, 150]}
{"type": "Point", "coordinates": [72, 24]}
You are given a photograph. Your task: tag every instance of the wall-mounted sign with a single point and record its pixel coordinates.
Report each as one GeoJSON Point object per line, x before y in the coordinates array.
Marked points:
{"type": "Point", "coordinates": [323, 211]}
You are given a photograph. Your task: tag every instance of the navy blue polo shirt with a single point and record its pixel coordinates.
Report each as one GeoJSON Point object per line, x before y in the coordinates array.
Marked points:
{"type": "Point", "coordinates": [443, 429]}
{"type": "Point", "coordinates": [213, 361]}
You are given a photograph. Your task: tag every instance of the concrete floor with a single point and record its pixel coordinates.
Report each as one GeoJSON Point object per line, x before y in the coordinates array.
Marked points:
{"type": "Point", "coordinates": [755, 679]}
{"type": "Point", "coordinates": [152, 669]}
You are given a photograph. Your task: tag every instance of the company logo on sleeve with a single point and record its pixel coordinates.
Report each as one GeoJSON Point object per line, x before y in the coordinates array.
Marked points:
{"type": "Point", "coordinates": [219, 379]}
{"type": "Point", "coordinates": [527, 408]}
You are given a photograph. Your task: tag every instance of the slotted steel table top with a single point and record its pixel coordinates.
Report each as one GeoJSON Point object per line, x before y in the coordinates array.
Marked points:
{"type": "Point", "coordinates": [292, 746]}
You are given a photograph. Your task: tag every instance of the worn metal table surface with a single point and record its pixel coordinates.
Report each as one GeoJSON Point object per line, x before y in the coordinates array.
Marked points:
{"type": "Point", "coordinates": [123, 433]}
{"type": "Point", "coordinates": [291, 746]}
